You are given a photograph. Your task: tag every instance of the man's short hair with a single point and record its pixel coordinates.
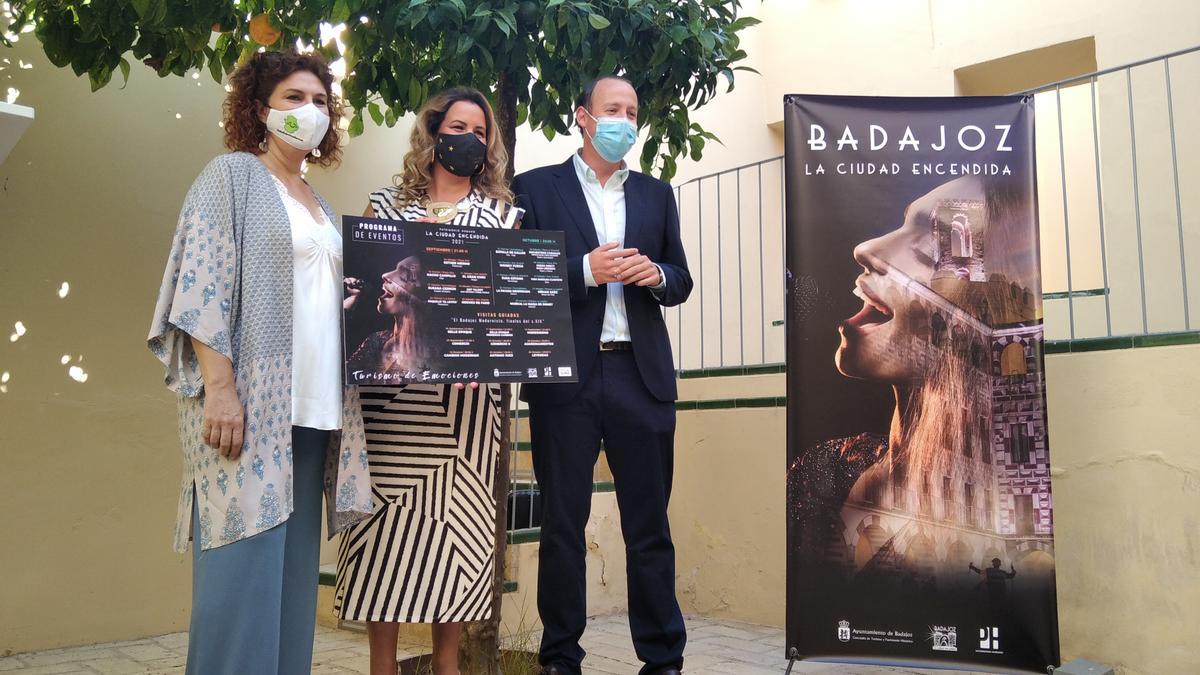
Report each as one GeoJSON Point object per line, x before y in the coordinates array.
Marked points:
{"type": "Point", "coordinates": [584, 100]}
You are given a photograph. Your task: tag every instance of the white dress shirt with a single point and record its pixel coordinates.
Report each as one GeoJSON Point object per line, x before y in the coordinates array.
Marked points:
{"type": "Point", "coordinates": [606, 203]}
{"type": "Point", "coordinates": [316, 318]}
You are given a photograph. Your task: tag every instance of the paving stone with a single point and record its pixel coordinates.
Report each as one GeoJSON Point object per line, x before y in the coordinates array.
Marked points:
{"type": "Point", "coordinates": [145, 651]}
{"type": "Point", "coordinates": [336, 656]}
{"type": "Point", "coordinates": [169, 663]}
{"type": "Point", "coordinates": [117, 666]}
{"type": "Point", "coordinates": [10, 663]}
{"type": "Point", "coordinates": [172, 640]}
{"type": "Point", "coordinates": [56, 669]}
{"type": "Point", "coordinates": [76, 655]}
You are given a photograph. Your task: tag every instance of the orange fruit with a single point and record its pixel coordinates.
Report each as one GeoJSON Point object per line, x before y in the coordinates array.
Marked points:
{"type": "Point", "coordinates": [262, 32]}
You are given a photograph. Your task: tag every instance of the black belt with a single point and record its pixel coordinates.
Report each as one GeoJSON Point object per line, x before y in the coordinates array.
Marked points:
{"type": "Point", "coordinates": [616, 346]}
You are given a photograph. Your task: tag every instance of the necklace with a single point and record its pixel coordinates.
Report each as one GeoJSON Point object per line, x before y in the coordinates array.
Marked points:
{"type": "Point", "coordinates": [441, 212]}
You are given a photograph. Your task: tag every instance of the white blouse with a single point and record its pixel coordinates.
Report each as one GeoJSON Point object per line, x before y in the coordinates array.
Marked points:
{"type": "Point", "coordinates": [316, 317]}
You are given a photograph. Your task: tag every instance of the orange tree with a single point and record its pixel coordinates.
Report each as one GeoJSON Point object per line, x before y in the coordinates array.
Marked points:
{"type": "Point", "coordinates": [531, 57]}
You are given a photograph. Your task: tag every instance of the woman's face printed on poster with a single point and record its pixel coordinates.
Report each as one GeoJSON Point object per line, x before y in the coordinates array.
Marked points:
{"type": "Point", "coordinates": [403, 287]}
{"type": "Point", "coordinates": [940, 238]}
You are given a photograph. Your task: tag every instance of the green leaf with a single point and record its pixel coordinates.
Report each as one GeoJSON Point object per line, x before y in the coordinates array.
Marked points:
{"type": "Point", "coordinates": [142, 7]}
{"type": "Point", "coordinates": [462, 8]}
{"type": "Point", "coordinates": [340, 13]}
{"type": "Point", "coordinates": [214, 67]}
{"type": "Point", "coordinates": [728, 74]}
{"type": "Point", "coordinates": [376, 114]}
{"type": "Point", "coordinates": [414, 94]}
{"type": "Point", "coordinates": [548, 132]}
{"type": "Point", "coordinates": [356, 125]}
{"type": "Point", "coordinates": [744, 22]}
{"type": "Point", "coordinates": [598, 22]}
{"type": "Point", "coordinates": [503, 24]}
{"type": "Point", "coordinates": [390, 118]}
{"type": "Point", "coordinates": [418, 15]}
{"type": "Point", "coordinates": [554, 3]}
{"type": "Point", "coordinates": [668, 171]}
{"type": "Point", "coordinates": [124, 72]}
{"type": "Point", "coordinates": [99, 77]}
{"type": "Point", "coordinates": [660, 53]}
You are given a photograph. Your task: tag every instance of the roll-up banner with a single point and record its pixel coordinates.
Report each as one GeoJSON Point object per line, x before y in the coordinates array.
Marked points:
{"type": "Point", "coordinates": [920, 519]}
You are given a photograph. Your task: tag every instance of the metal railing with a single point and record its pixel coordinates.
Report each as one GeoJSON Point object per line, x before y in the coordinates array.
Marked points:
{"type": "Point", "coordinates": [1115, 190]}
{"type": "Point", "coordinates": [733, 230]}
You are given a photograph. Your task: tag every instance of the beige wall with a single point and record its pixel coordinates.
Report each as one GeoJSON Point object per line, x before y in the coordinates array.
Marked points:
{"type": "Point", "coordinates": [916, 47]}
{"type": "Point", "coordinates": [1123, 430]}
{"type": "Point", "coordinates": [90, 196]}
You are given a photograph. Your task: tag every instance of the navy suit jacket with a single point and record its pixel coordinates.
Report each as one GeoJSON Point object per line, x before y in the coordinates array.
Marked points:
{"type": "Point", "coordinates": [553, 200]}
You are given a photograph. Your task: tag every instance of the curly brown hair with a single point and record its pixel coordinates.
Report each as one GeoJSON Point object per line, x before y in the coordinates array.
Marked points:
{"type": "Point", "coordinates": [254, 81]}
{"type": "Point", "coordinates": [417, 173]}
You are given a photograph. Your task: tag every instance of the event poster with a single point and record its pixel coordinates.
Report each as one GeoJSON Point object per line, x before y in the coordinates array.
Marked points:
{"type": "Point", "coordinates": [428, 302]}
{"type": "Point", "coordinates": [920, 519]}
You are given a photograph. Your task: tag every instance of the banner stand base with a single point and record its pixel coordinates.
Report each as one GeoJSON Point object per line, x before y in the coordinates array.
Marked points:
{"type": "Point", "coordinates": [792, 656]}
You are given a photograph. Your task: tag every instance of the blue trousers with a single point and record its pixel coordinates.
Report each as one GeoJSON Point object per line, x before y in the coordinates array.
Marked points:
{"type": "Point", "coordinates": [254, 602]}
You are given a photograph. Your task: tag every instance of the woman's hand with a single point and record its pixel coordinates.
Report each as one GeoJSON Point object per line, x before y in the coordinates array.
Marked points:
{"type": "Point", "coordinates": [460, 385]}
{"type": "Point", "coordinates": [224, 416]}
{"type": "Point", "coordinates": [224, 421]}
{"type": "Point", "coordinates": [353, 288]}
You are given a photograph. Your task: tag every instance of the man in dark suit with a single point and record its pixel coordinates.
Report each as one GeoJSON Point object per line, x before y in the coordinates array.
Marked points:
{"type": "Point", "coordinates": [625, 262]}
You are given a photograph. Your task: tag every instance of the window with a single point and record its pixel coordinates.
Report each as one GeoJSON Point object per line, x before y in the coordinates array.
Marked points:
{"type": "Point", "coordinates": [969, 434]}
{"type": "Point", "coordinates": [1025, 515]}
{"type": "Point", "coordinates": [988, 513]}
{"type": "Point", "coordinates": [1020, 445]}
{"type": "Point", "coordinates": [874, 492]}
{"type": "Point", "coordinates": [899, 500]}
{"type": "Point", "coordinates": [985, 440]}
{"type": "Point", "coordinates": [947, 499]}
{"type": "Point", "coordinates": [937, 330]}
{"type": "Point", "coordinates": [1012, 360]}
{"type": "Point", "coordinates": [969, 499]}
{"type": "Point", "coordinates": [977, 355]}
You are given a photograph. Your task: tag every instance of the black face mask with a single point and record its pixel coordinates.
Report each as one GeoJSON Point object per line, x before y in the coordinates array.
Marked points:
{"type": "Point", "coordinates": [461, 154]}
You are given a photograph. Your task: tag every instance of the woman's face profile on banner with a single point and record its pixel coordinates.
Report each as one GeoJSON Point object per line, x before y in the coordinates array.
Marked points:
{"type": "Point", "coordinates": [875, 340]}
{"type": "Point", "coordinates": [403, 287]}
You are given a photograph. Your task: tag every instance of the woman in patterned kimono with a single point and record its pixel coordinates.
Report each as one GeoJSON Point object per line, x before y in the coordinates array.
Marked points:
{"type": "Point", "coordinates": [248, 327]}
{"type": "Point", "coordinates": [428, 554]}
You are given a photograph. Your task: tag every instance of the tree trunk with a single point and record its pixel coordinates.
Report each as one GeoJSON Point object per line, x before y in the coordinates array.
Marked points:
{"type": "Point", "coordinates": [479, 652]}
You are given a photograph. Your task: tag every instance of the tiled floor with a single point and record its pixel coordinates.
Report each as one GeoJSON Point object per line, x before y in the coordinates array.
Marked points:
{"type": "Point", "coordinates": [714, 647]}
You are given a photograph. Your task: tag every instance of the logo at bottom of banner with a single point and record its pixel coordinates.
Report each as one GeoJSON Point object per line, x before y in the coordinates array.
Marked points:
{"type": "Point", "coordinates": [989, 640]}
{"type": "Point", "coordinates": [847, 634]}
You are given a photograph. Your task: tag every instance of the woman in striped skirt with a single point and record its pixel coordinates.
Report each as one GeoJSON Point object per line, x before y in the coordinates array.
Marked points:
{"type": "Point", "coordinates": [427, 554]}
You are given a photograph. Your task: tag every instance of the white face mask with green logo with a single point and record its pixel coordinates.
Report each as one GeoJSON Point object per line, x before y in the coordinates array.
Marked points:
{"type": "Point", "coordinates": [302, 128]}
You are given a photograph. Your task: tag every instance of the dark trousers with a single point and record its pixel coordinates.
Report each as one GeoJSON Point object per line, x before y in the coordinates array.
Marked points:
{"type": "Point", "coordinates": [638, 432]}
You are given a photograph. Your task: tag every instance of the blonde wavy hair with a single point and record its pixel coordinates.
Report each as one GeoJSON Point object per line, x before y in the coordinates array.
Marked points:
{"type": "Point", "coordinates": [417, 175]}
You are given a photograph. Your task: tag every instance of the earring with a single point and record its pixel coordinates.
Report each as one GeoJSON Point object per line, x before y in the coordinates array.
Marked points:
{"type": "Point", "coordinates": [262, 145]}
{"type": "Point", "coordinates": [316, 153]}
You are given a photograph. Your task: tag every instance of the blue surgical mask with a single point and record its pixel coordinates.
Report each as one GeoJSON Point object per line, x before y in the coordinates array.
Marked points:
{"type": "Point", "coordinates": [614, 137]}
